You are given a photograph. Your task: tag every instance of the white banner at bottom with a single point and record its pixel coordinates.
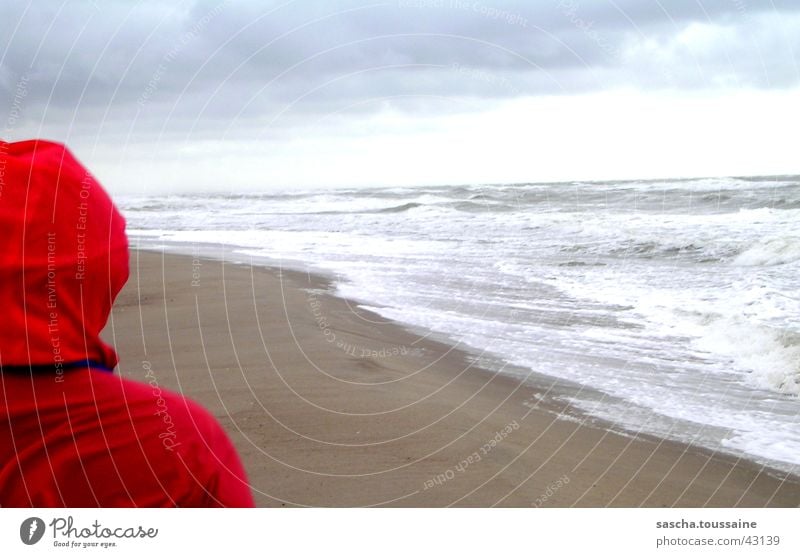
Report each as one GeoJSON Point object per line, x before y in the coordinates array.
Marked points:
{"type": "Point", "coordinates": [406, 532]}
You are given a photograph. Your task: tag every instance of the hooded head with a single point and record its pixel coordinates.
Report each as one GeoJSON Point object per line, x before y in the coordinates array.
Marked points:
{"type": "Point", "coordinates": [63, 258]}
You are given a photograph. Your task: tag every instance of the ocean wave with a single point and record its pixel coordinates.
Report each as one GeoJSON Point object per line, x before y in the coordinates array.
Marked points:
{"type": "Point", "coordinates": [695, 250]}
{"type": "Point", "coordinates": [483, 197]}
{"type": "Point", "coordinates": [784, 203]}
{"type": "Point", "coordinates": [730, 183]}
{"type": "Point", "coordinates": [770, 354]}
{"type": "Point", "coordinates": [439, 206]}
{"type": "Point", "coordinates": [581, 264]}
{"type": "Point", "coordinates": [652, 248]}
{"type": "Point", "coordinates": [768, 252]}
{"type": "Point", "coordinates": [397, 208]}
{"type": "Point", "coordinates": [717, 197]}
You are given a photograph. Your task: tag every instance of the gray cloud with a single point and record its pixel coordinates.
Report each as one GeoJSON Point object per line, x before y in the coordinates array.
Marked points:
{"type": "Point", "coordinates": [150, 67]}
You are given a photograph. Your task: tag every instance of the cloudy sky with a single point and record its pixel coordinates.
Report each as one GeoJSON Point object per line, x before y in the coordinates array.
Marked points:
{"type": "Point", "coordinates": [233, 95]}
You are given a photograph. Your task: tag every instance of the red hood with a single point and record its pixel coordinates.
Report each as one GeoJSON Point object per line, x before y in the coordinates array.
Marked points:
{"type": "Point", "coordinates": [63, 258]}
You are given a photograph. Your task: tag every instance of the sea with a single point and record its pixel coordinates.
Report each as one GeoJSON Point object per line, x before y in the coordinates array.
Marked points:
{"type": "Point", "coordinates": [672, 305]}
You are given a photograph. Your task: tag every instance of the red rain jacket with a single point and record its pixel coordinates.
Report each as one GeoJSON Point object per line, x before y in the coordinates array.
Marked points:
{"type": "Point", "coordinates": [71, 432]}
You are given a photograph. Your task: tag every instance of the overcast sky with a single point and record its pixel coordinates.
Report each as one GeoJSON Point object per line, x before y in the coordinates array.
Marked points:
{"type": "Point", "coordinates": [234, 95]}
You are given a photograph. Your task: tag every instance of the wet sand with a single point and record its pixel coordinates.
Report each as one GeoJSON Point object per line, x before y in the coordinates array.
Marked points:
{"type": "Point", "coordinates": [331, 405]}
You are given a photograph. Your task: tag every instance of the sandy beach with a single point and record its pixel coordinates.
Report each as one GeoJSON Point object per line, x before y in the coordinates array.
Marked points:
{"type": "Point", "coordinates": [331, 405]}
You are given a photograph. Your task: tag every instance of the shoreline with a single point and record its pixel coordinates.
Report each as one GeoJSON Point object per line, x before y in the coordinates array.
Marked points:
{"type": "Point", "coordinates": [332, 405]}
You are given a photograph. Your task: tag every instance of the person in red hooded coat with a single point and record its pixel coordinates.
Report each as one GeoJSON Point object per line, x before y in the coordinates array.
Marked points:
{"type": "Point", "coordinates": [72, 433]}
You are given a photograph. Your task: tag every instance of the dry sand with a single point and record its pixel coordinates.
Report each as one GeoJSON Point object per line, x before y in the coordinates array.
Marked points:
{"type": "Point", "coordinates": [330, 405]}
